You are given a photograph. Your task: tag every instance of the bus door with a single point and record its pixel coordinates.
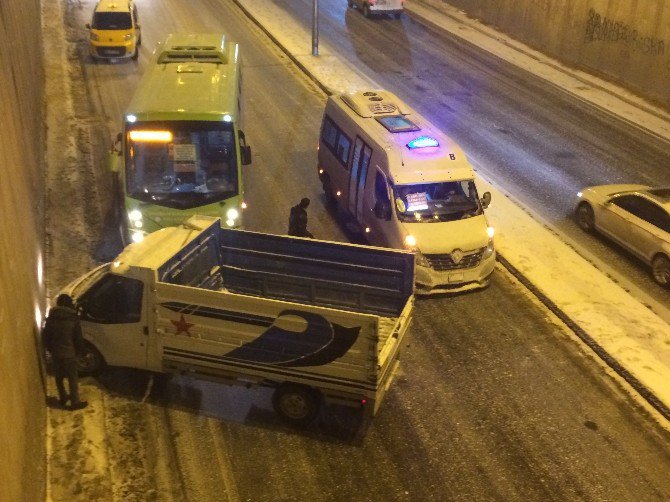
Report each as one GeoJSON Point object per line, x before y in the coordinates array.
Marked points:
{"type": "Point", "coordinates": [360, 161]}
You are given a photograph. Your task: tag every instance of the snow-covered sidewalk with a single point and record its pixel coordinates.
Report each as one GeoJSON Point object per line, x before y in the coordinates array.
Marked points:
{"type": "Point", "coordinates": [626, 330]}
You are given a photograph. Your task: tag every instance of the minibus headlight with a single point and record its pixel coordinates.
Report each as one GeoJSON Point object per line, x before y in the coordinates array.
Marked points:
{"type": "Point", "coordinates": [420, 259]}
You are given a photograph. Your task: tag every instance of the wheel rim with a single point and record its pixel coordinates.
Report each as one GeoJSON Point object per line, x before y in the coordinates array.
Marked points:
{"type": "Point", "coordinates": [661, 271]}
{"type": "Point", "coordinates": [88, 361]}
{"type": "Point", "coordinates": [585, 217]}
{"type": "Point", "coordinates": [294, 406]}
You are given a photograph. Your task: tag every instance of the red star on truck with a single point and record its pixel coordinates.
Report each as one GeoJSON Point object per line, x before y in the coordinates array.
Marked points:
{"type": "Point", "coordinates": [182, 325]}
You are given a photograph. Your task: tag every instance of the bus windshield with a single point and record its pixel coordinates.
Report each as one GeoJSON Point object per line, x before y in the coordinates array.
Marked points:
{"type": "Point", "coordinates": [181, 164]}
{"type": "Point", "coordinates": [434, 202]}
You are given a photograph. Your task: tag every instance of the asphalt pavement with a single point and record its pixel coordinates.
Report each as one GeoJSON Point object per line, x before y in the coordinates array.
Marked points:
{"type": "Point", "coordinates": [626, 335]}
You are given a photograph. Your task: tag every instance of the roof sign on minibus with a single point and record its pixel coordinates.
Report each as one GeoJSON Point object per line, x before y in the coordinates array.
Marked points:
{"type": "Point", "coordinates": [422, 142]}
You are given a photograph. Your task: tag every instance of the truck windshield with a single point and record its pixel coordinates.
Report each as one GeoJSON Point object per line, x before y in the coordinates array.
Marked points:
{"type": "Point", "coordinates": [181, 164]}
{"type": "Point", "coordinates": [434, 202]}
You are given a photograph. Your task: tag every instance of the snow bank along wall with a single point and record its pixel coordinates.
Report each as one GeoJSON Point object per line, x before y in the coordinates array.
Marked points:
{"type": "Point", "coordinates": [22, 401]}
{"type": "Point", "coordinates": [625, 41]}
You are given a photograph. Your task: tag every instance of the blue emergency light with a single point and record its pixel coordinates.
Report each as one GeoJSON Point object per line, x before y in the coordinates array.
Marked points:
{"type": "Point", "coordinates": [422, 142]}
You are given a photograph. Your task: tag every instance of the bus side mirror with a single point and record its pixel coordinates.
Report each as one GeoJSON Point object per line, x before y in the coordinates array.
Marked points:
{"type": "Point", "coordinates": [486, 199]}
{"type": "Point", "coordinates": [245, 151]}
{"type": "Point", "coordinates": [382, 210]}
{"type": "Point", "coordinates": [116, 145]}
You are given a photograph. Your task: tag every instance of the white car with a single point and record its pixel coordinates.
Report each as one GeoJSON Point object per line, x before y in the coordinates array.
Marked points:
{"type": "Point", "coordinates": [635, 216]}
{"type": "Point", "coordinates": [370, 7]}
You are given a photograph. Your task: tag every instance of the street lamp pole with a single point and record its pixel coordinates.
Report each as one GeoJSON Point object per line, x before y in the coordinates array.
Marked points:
{"type": "Point", "coordinates": [315, 29]}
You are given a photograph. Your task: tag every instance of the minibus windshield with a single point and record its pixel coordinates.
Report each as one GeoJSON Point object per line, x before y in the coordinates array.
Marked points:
{"type": "Point", "coordinates": [435, 202]}
{"type": "Point", "coordinates": [181, 164]}
{"type": "Point", "coordinates": [112, 21]}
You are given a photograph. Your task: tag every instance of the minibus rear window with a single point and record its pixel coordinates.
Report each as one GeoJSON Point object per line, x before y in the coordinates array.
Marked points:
{"type": "Point", "coordinates": [398, 123]}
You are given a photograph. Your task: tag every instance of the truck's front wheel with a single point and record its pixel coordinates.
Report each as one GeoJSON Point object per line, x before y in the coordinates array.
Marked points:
{"type": "Point", "coordinates": [298, 404]}
{"type": "Point", "coordinates": [90, 361]}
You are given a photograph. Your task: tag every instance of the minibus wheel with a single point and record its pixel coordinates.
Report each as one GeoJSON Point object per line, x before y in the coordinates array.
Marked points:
{"type": "Point", "coordinates": [331, 200]}
{"type": "Point", "coordinates": [297, 404]}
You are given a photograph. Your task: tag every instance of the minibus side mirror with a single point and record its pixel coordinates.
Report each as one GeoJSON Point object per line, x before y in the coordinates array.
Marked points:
{"type": "Point", "coordinates": [486, 199]}
{"type": "Point", "coordinates": [382, 210]}
{"type": "Point", "coordinates": [245, 151]}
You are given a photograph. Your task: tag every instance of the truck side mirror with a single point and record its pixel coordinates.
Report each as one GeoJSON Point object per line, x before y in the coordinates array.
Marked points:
{"type": "Point", "coordinates": [245, 151]}
{"type": "Point", "coordinates": [486, 199]}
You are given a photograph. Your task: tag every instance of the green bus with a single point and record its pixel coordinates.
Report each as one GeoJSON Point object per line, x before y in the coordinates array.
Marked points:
{"type": "Point", "coordinates": [182, 148]}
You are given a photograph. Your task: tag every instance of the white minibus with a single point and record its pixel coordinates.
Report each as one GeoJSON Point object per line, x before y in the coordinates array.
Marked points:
{"type": "Point", "coordinates": [407, 186]}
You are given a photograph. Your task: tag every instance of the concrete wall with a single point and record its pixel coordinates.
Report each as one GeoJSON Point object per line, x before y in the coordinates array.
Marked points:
{"type": "Point", "coordinates": [22, 397]}
{"type": "Point", "coordinates": [625, 41]}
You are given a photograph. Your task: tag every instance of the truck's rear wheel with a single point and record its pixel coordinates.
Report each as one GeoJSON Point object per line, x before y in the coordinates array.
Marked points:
{"type": "Point", "coordinates": [90, 360]}
{"type": "Point", "coordinates": [297, 404]}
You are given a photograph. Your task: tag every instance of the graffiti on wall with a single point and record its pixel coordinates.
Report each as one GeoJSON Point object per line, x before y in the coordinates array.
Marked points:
{"type": "Point", "coordinates": [602, 29]}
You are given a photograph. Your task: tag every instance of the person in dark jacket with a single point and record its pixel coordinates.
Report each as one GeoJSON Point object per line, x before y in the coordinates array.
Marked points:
{"type": "Point", "coordinates": [297, 222]}
{"type": "Point", "coordinates": [63, 339]}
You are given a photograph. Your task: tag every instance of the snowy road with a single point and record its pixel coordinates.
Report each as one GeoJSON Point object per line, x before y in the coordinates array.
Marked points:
{"type": "Point", "coordinates": [496, 400]}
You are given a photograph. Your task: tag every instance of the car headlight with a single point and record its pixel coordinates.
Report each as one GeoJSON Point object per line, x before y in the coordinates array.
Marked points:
{"type": "Point", "coordinates": [232, 214]}
{"type": "Point", "coordinates": [127, 37]}
{"type": "Point", "coordinates": [137, 236]}
{"type": "Point", "coordinates": [94, 37]}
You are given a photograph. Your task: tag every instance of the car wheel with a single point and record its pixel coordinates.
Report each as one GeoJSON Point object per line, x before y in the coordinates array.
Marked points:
{"type": "Point", "coordinates": [297, 404]}
{"type": "Point", "coordinates": [366, 10]}
{"type": "Point", "coordinates": [398, 15]}
{"type": "Point", "coordinates": [90, 361]}
{"type": "Point", "coordinates": [136, 54]}
{"type": "Point", "coordinates": [660, 270]}
{"type": "Point", "coordinates": [585, 217]}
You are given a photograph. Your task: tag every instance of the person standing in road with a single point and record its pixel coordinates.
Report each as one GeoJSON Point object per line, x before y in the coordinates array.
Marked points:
{"type": "Point", "coordinates": [63, 339]}
{"type": "Point", "coordinates": [297, 222]}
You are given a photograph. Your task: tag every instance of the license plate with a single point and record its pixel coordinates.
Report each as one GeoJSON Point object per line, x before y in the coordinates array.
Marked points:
{"type": "Point", "coordinates": [456, 278]}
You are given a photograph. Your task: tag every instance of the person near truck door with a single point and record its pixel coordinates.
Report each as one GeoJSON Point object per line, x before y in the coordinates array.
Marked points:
{"type": "Point", "coordinates": [63, 339]}
{"type": "Point", "coordinates": [297, 222]}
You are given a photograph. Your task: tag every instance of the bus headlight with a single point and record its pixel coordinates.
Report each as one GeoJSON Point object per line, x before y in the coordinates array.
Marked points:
{"type": "Point", "coordinates": [231, 216]}
{"type": "Point", "coordinates": [135, 215]}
